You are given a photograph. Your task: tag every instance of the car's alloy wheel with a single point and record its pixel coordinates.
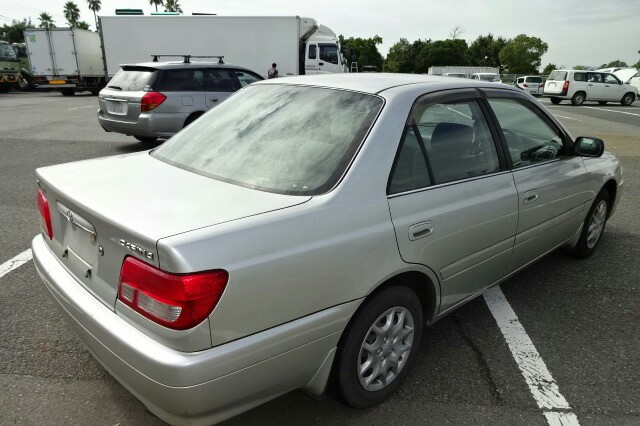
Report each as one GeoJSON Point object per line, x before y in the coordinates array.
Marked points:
{"type": "Point", "coordinates": [578, 99]}
{"type": "Point", "coordinates": [628, 99]}
{"type": "Point", "coordinates": [593, 226]}
{"type": "Point", "coordinates": [378, 347]}
{"type": "Point", "coordinates": [596, 224]}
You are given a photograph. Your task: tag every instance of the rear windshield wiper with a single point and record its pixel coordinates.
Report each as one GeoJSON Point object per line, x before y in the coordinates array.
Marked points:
{"type": "Point", "coordinates": [115, 87]}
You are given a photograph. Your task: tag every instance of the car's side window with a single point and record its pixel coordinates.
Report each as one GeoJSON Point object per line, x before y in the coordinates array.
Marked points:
{"type": "Point", "coordinates": [186, 80]}
{"type": "Point", "coordinates": [530, 138]}
{"type": "Point", "coordinates": [218, 80]}
{"type": "Point", "coordinates": [593, 77]}
{"type": "Point", "coordinates": [579, 76]}
{"type": "Point", "coordinates": [457, 142]}
{"type": "Point", "coordinates": [312, 51]}
{"type": "Point", "coordinates": [329, 53]}
{"type": "Point", "coordinates": [245, 77]}
{"type": "Point", "coordinates": [410, 171]}
{"type": "Point", "coordinates": [610, 79]}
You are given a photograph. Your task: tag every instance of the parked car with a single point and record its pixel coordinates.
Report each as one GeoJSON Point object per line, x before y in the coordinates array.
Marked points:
{"type": "Point", "coordinates": [281, 243]}
{"type": "Point", "coordinates": [530, 83]}
{"type": "Point", "coordinates": [157, 99]}
{"type": "Point", "coordinates": [580, 86]}
{"type": "Point", "coordinates": [486, 76]}
{"type": "Point", "coordinates": [454, 74]}
{"type": "Point", "coordinates": [635, 81]}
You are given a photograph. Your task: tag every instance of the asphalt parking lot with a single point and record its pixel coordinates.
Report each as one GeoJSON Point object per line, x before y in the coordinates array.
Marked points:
{"type": "Point", "coordinates": [583, 316]}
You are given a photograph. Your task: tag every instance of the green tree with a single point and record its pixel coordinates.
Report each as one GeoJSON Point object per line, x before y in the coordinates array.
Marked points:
{"type": "Point", "coordinates": [550, 67]}
{"type": "Point", "coordinates": [443, 53]}
{"type": "Point", "coordinates": [14, 32]}
{"type": "Point", "coordinates": [580, 67]}
{"type": "Point", "coordinates": [485, 51]}
{"type": "Point", "coordinates": [364, 51]}
{"type": "Point", "coordinates": [46, 21]}
{"type": "Point", "coordinates": [71, 13]}
{"type": "Point", "coordinates": [156, 3]}
{"type": "Point", "coordinates": [400, 57]}
{"type": "Point", "coordinates": [82, 25]}
{"type": "Point", "coordinates": [94, 6]}
{"type": "Point", "coordinates": [522, 54]}
{"type": "Point", "coordinates": [172, 6]}
{"type": "Point", "coordinates": [616, 63]}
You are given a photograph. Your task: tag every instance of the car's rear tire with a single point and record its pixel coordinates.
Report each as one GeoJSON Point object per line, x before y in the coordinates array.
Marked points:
{"type": "Point", "coordinates": [602, 102]}
{"type": "Point", "coordinates": [68, 92]}
{"type": "Point", "coordinates": [378, 347]}
{"type": "Point", "coordinates": [146, 139]}
{"type": "Point", "coordinates": [593, 226]}
{"type": "Point", "coordinates": [555, 101]}
{"type": "Point", "coordinates": [578, 98]}
{"type": "Point", "coordinates": [627, 99]}
{"type": "Point", "coordinates": [193, 117]}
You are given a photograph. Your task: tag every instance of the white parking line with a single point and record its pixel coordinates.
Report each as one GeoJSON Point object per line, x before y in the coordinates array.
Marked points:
{"type": "Point", "coordinates": [541, 384]}
{"type": "Point", "coordinates": [612, 110]}
{"type": "Point", "coordinates": [568, 118]}
{"type": "Point", "coordinates": [16, 262]}
{"type": "Point", "coordinates": [88, 106]}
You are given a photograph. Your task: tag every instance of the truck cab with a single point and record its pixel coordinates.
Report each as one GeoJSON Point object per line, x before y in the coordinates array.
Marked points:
{"type": "Point", "coordinates": [9, 67]}
{"type": "Point", "coordinates": [322, 54]}
{"type": "Point", "coordinates": [26, 82]}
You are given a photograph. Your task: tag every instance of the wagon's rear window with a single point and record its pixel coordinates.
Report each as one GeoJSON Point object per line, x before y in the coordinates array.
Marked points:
{"type": "Point", "coordinates": [277, 138]}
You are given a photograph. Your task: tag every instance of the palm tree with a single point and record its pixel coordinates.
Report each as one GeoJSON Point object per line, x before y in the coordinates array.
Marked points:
{"type": "Point", "coordinates": [46, 21]}
{"type": "Point", "coordinates": [172, 6]}
{"type": "Point", "coordinates": [94, 6]}
{"type": "Point", "coordinates": [81, 25]}
{"type": "Point", "coordinates": [71, 13]}
{"type": "Point", "coordinates": [156, 3]}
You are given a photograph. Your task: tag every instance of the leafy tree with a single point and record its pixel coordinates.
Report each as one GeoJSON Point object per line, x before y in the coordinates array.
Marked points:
{"type": "Point", "coordinates": [46, 21]}
{"type": "Point", "coordinates": [71, 13]}
{"type": "Point", "coordinates": [172, 6]}
{"type": "Point", "coordinates": [485, 51]}
{"type": "Point", "coordinates": [616, 63]}
{"type": "Point", "coordinates": [156, 3]}
{"type": "Point", "coordinates": [580, 67]}
{"type": "Point", "coordinates": [364, 51]}
{"type": "Point", "coordinates": [94, 6]}
{"type": "Point", "coordinates": [550, 67]}
{"type": "Point", "coordinates": [82, 25]}
{"type": "Point", "coordinates": [522, 54]}
{"type": "Point", "coordinates": [14, 32]}
{"type": "Point", "coordinates": [444, 52]}
{"type": "Point", "coordinates": [400, 57]}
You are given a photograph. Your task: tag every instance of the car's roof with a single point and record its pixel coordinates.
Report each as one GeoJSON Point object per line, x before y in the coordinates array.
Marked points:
{"type": "Point", "coordinates": [378, 82]}
{"type": "Point", "coordinates": [182, 65]}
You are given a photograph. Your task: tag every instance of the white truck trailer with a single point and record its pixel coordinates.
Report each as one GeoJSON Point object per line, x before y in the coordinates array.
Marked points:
{"type": "Point", "coordinates": [297, 45]}
{"type": "Point", "coordinates": [467, 71]}
{"type": "Point", "coordinates": [65, 59]}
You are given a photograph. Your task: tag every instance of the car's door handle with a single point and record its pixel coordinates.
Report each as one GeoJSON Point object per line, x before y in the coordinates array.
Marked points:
{"type": "Point", "coordinates": [320, 63]}
{"type": "Point", "coordinates": [213, 100]}
{"type": "Point", "coordinates": [606, 85]}
{"type": "Point", "coordinates": [530, 196]}
{"type": "Point", "coordinates": [591, 85]}
{"type": "Point", "coordinates": [420, 230]}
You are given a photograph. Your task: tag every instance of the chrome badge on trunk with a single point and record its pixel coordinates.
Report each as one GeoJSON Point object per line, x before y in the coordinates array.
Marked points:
{"type": "Point", "coordinates": [136, 248]}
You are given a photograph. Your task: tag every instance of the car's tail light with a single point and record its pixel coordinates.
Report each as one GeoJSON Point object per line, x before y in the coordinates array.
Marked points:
{"type": "Point", "coordinates": [525, 85]}
{"type": "Point", "coordinates": [45, 214]}
{"type": "Point", "coordinates": [565, 86]}
{"type": "Point", "coordinates": [151, 100]}
{"type": "Point", "coordinates": [177, 301]}
{"type": "Point", "coordinates": [541, 85]}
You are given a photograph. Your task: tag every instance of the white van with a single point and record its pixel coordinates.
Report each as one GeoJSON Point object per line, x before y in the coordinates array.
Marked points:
{"type": "Point", "coordinates": [580, 86]}
{"type": "Point", "coordinates": [486, 76]}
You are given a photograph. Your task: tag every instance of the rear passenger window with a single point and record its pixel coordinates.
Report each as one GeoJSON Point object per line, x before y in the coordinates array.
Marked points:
{"type": "Point", "coordinates": [218, 80]}
{"type": "Point", "coordinates": [187, 80]}
{"type": "Point", "coordinates": [245, 78]}
{"type": "Point", "coordinates": [410, 171]}
{"type": "Point", "coordinates": [594, 78]}
{"type": "Point", "coordinates": [580, 76]}
{"type": "Point", "coordinates": [530, 139]}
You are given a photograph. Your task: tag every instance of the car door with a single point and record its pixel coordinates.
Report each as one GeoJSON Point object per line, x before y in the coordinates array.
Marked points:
{"type": "Point", "coordinates": [613, 88]}
{"type": "Point", "coordinates": [184, 89]}
{"type": "Point", "coordinates": [551, 181]}
{"type": "Point", "coordinates": [595, 86]}
{"type": "Point", "coordinates": [453, 204]}
{"type": "Point", "coordinates": [219, 85]}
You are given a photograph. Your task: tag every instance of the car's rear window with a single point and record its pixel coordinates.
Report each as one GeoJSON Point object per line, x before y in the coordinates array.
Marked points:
{"type": "Point", "coordinates": [557, 76]}
{"type": "Point", "coordinates": [276, 138]}
{"type": "Point", "coordinates": [534, 79]}
{"type": "Point", "coordinates": [133, 79]}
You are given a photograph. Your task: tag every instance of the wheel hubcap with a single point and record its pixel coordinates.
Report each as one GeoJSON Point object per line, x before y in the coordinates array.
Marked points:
{"type": "Point", "coordinates": [385, 348]}
{"type": "Point", "coordinates": [596, 224]}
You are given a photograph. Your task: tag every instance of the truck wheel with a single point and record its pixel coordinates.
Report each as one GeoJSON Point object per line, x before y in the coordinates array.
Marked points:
{"type": "Point", "coordinates": [26, 84]}
{"type": "Point", "coordinates": [555, 101]}
{"type": "Point", "coordinates": [578, 99]}
{"type": "Point", "coordinates": [627, 99]}
{"type": "Point", "coordinates": [146, 139]}
{"type": "Point", "coordinates": [68, 92]}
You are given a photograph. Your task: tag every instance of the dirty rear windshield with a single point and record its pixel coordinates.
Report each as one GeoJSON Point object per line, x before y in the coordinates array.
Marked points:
{"type": "Point", "coordinates": [276, 138]}
{"type": "Point", "coordinates": [558, 76]}
{"type": "Point", "coordinates": [133, 79]}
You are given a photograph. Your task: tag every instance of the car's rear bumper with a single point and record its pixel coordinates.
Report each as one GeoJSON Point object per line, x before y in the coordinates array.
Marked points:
{"type": "Point", "coordinates": [147, 124]}
{"type": "Point", "coordinates": [197, 387]}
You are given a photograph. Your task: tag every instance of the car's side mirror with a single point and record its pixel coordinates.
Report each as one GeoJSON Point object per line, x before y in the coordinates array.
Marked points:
{"type": "Point", "coordinates": [586, 146]}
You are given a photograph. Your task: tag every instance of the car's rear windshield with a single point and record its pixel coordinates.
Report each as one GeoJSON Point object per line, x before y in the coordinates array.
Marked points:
{"type": "Point", "coordinates": [276, 138]}
{"type": "Point", "coordinates": [133, 79]}
{"type": "Point", "coordinates": [534, 79]}
{"type": "Point", "coordinates": [558, 76]}
{"type": "Point", "coordinates": [489, 77]}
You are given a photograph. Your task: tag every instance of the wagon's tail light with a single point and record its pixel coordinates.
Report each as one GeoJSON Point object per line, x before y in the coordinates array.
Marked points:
{"type": "Point", "coordinates": [541, 85]}
{"type": "Point", "coordinates": [151, 100]}
{"type": "Point", "coordinates": [45, 214]}
{"type": "Point", "coordinates": [177, 301]}
{"type": "Point", "coordinates": [525, 85]}
{"type": "Point", "coordinates": [565, 86]}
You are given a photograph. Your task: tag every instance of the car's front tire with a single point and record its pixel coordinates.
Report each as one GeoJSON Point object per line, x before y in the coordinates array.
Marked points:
{"type": "Point", "coordinates": [578, 99]}
{"type": "Point", "coordinates": [555, 101]}
{"type": "Point", "coordinates": [593, 226]}
{"type": "Point", "coordinates": [379, 347]}
{"type": "Point", "coordinates": [146, 139]}
{"type": "Point", "coordinates": [627, 99]}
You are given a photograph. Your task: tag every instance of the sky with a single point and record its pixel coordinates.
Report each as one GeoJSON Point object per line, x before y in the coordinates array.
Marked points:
{"type": "Point", "coordinates": [578, 32]}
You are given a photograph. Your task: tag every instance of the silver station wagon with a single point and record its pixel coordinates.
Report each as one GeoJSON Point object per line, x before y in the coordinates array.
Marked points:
{"type": "Point", "coordinates": [303, 232]}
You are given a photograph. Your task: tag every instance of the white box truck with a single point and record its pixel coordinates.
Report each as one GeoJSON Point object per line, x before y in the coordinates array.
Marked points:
{"type": "Point", "coordinates": [297, 45]}
{"type": "Point", "coordinates": [65, 59]}
{"type": "Point", "coordinates": [466, 70]}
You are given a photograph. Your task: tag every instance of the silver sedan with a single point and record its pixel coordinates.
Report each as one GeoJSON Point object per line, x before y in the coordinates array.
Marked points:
{"type": "Point", "coordinates": [304, 231]}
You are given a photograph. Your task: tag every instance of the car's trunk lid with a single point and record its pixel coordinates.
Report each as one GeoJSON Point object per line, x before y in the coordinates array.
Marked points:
{"type": "Point", "coordinates": [105, 209]}
{"type": "Point", "coordinates": [122, 97]}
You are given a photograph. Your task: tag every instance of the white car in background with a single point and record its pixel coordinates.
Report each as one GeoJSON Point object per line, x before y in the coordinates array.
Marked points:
{"type": "Point", "coordinates": [635, 81]}
{"type": "Point", "coordinates": [530, 83]}
{"type": "Point", "coordinates": [486, 76]}
{"type": "Point", "coordinates": [581, 85]}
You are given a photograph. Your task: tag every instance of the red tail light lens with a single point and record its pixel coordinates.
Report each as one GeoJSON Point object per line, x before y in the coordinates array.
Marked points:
{"type": "Point", "coordinates": [541, 85]}
{"type": "Point", "coordinates": [151, 100]}
{"type": "Point", "coordinates": [565, 86]}
{"type": "Point", "coordinates": [45, 214]}
{"type": "Point", "coordinates": [525, 85]}
{"type": "Point", "coordinates": [177, 301]}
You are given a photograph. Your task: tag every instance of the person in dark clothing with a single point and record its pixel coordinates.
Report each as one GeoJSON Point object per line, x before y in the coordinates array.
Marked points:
{"type": "Point", "coordinates": [273, 72]}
